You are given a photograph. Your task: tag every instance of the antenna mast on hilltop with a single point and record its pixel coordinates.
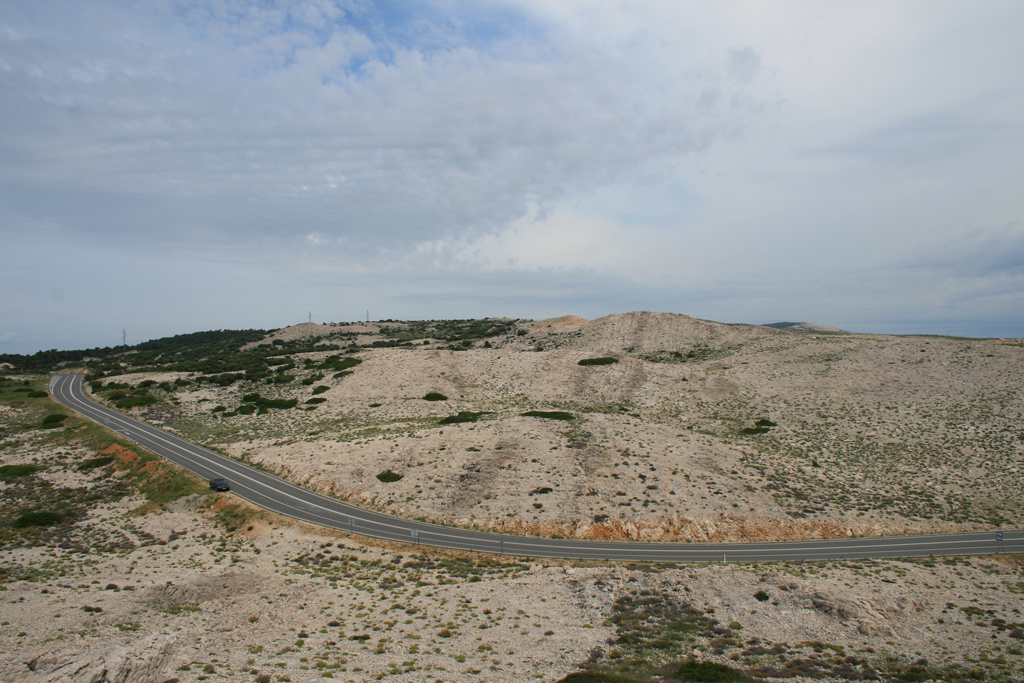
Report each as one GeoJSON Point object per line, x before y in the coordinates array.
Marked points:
{"type": "Point", "coordinates": [124, 337]}
{"type": "Point", "coordinates": [311, 316]}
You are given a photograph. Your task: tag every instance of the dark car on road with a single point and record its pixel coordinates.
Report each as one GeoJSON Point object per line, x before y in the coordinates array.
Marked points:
{"type": "Point", "coordinates": [220, 484]}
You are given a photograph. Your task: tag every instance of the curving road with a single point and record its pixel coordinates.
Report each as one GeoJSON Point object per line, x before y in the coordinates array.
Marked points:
{"type": "Point", "coordinates": [277, 495]}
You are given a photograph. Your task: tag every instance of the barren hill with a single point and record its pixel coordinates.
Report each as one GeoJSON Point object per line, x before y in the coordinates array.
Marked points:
{"type": "Point", "coordinates": [695, 430]}
{"type": "Point", "coordinates": [643, 331]}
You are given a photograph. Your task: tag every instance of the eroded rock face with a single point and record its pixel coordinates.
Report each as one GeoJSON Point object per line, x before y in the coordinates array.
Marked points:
{"type": "Point", "coordinates": [868, 619]}
{"type": "Point", "coordinates": [145, 661]}
{"type": "Point", "coordinates": [219, 586]}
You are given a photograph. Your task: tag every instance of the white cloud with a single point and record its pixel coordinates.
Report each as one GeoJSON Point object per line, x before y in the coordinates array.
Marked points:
{"type": "Point", "coordinates": [736, 150]}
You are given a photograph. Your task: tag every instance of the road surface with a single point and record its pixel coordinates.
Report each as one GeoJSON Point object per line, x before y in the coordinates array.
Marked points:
{"type": "Point", "coordinates": [274, 494]}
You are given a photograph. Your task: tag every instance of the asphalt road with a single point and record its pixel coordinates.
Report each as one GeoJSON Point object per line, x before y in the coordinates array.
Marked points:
{"type": "Point", "coordinates": [277, 495]}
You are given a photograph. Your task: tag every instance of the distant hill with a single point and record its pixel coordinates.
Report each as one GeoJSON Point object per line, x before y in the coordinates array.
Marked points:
{"type": "Point", "coordinates": [807, 327]}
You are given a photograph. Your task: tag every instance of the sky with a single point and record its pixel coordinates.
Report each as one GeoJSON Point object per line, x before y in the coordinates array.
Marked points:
{"type": "Point", "coordinates": [174, 166]}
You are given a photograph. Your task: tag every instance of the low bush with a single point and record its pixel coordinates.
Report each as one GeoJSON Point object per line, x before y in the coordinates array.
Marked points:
{"type": "Point", "coordinates": [284, 379]}
{"type": "Point", "coordinates": [435, 396]}
{"type": "Point", "coordinates": [320, 389]}
{"type": "Point", "coordinates": [464, 416]}
{"type": "Point", "coordinates": [338, 363]}
{"type": "Point", "coordinates": [315, 401]}
{"type": "Point", "coordinates": [387, 476]}
{"type": "Point", "coordinates": [12, 471]}
{"type": "Point", "coordinates": [750, 431]}
{"type": "Point", "coordinates": [550, 414]}
{"type": "Point", "coordinates": [96, 462]}
{"type": "Point", "coordinates": [135, 402]}
{"type": "Point", "coordinates": [279, 403]}
{"type": "Point", "coordinates": [598, 361]}
{"type": "Point", "coordinates": [54, 418]}
{"type": "Point", "coordinates": [708, 672]}
{"type": "Point", "coordinates": [38, 519]}
{"type": "Point", "coordinates": [254, 401]}
{"type": "Point", "coordinates": [596, 677]}
{"type": "Point", "coordinates": [37, 394]}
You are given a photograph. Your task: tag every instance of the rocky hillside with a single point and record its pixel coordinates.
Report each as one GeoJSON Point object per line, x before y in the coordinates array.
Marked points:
{"type": "Point", "coordinates": [640, 425]}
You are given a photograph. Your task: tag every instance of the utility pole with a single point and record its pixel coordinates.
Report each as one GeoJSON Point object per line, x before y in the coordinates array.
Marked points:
{"type": "Point", "coordinates": [311, 316]}
{"type": "Point", "coordinates": [124, 337]}
{"type": "Point", "coordinates": [367, 315]}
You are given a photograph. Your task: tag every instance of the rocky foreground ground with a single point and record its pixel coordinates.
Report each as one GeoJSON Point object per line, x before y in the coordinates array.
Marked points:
{"type": "Point", "coordinates": [179, 597]}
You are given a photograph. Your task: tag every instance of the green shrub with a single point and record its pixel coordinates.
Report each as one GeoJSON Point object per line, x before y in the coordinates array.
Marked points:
{"type": "Point", "coordinates": [754, 430]}
{"type": "Point", "coordinates": [255, 401]}
{"type": "Point", "coordinates": [320, 389]}
{"type": "Point", "coordinates": [708, 672]}
{"type": "Point", "coordinates": [96, 462]}
{"type": "Point", "coordinates": [387, 476]}
{"type": "Point", "coordinates": [135, 401]}
{"type": "Point", "coordinates": [37, 394]}
{"type": "Point", "coordinates": [279, 403]}
{"type": "Point", "coordinates": [337, 363]}
{"type": "Point", "coordinates": [595, 677]}
{"type": "Point", "coordinates": [38, 519]}
{"type": "Point", "coordinates": [464, 416]}
{"type": "Point", "coordinates": [435, 396]}
{"type": "Point", "coordinates": [315, 401]}
{"type": "Point", "coordinates": [549, 414]}
{"type": "Point", "coordinates": [284, 379]}
{"type": "Point", "coordinates": [12, 471]}
{"type": "Point", "coordinates": [764, 422]}
{"type": "Point", "coordinates": [54, 418]}
{"type": "Point", "coordinates": [342, 375]}
{"type": "Point", "coordinates": [598, 361]}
